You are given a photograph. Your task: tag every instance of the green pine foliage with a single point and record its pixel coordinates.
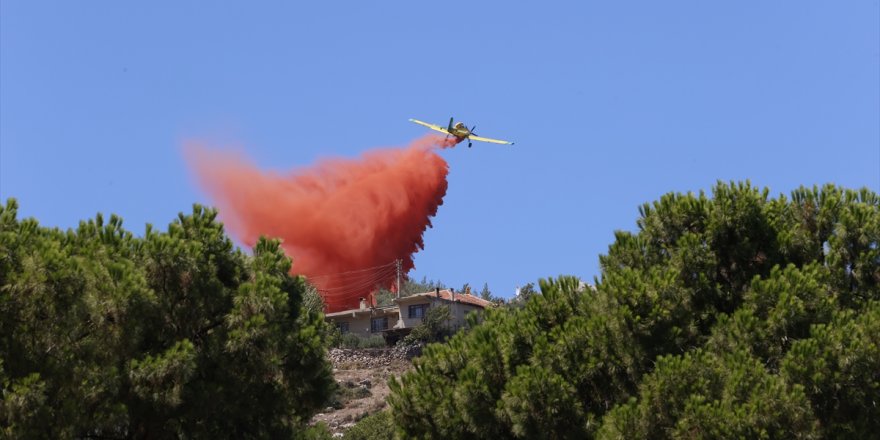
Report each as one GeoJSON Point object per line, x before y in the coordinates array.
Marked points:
{"type": "Point", "coordinates": [412, 287]}
{"type": "Point", "coordinates": [839, 368]}
{"type": "Point", "coordinates": [486, 294]}
{"type": "Point", "coordinates": [731, 316]}
{"type": "Point", "coordinates": [433, 328]}
{"type": "Point", "coordinates": [704, 394]}
{"type": "Point", "coordinates": [173, 334]}
{"type": "Point", "coordinates": [378, 426]}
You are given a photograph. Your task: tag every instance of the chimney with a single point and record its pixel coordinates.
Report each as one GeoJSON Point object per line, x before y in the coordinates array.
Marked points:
{"type": "Point", "coordinates": [437, 292]}
{"type": "Point", "coordinates": [363, 303]}
{"type": "Point", "coordinates": [452, 294]}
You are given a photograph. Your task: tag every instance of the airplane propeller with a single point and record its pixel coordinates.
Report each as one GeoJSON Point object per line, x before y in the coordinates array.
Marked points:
{"type": "Point", "coordinates": [472, 132]}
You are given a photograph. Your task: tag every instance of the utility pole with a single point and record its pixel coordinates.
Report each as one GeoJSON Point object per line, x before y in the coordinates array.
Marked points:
{"type": "Point", "coordinates": [398, 279]}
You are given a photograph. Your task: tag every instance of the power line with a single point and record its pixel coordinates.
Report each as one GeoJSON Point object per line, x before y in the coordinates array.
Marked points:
{"type": "Point", "coordinates": [349, 283]}
{"type": "Point", "coordinates": [362, 278]}
{"type": "Point", "coordinates": [353, 271]}
{"type": "Point", "coordinates": [360, 286]}
{"type": "Point", "coordinates": [353, 279]}
{"type": "Point", "coordinates": [368, 281]}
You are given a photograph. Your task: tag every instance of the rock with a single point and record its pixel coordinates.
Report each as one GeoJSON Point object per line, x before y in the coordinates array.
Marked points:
{"type": "Point", "coordinates": [372, 357]}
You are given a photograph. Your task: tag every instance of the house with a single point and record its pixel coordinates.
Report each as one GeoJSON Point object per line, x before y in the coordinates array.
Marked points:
{"type": "Point", "coordinates": [397, 320]}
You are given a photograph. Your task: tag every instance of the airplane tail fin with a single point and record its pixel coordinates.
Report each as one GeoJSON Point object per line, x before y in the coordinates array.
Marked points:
{"type": "Point", "coordinates": [450, 124]}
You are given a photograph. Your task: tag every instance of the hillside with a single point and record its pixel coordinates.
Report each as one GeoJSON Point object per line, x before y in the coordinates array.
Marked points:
{"type": "Point", "coordinates": [362, 377]}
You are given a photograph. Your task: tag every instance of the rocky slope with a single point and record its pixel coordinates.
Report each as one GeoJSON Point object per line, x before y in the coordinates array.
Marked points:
{"type": "Point", "coordinates": [362, 376]}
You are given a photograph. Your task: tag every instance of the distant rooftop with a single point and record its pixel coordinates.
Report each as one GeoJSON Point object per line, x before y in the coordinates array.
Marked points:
{"type": "Point", "coordinates": [446, 294]}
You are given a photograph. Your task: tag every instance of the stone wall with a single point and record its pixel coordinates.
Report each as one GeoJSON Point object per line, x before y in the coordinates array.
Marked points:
{"type": "Point", "coordinates": [372, 357]}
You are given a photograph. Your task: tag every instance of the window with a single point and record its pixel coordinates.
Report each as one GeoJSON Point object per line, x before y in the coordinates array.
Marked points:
{"type": "Point", "coordinates": [342, 326]}
{"type": "Point", "coordinates": [379, 324]}
{"type": "Point", "coordinates": [418, 311]}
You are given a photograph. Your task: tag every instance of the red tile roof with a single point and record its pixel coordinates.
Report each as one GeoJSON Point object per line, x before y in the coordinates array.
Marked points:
{"type": "Point", "coordinates": [463, 298]}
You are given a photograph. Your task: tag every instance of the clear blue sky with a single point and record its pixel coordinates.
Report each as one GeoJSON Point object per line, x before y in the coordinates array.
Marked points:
{"type": "Point", "coordinates": [611, 105]}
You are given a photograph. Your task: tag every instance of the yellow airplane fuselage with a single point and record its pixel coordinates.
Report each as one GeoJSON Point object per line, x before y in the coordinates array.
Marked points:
{"type": "Point", "coordinates": [460, 130]}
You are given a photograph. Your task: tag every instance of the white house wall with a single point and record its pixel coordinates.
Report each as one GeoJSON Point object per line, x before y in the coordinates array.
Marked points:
{"type": "Point", "coordinates": [360, 324]}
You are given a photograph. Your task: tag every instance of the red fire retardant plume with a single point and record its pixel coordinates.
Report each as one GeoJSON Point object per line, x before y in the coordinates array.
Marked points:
{"type": "Point", "coordinates": [344, 222]}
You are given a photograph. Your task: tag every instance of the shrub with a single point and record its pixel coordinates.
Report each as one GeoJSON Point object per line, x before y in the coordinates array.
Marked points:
{"type": "Point", "coordinates": [378, 426]}
{"type": "Point", "coordinates": [351, 340]}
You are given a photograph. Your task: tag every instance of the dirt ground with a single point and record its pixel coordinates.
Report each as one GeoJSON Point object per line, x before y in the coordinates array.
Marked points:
{"type": "Point", "coordinates": [363, 388]}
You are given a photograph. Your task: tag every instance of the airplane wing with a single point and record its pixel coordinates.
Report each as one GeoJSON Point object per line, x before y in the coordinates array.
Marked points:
{"type": "Point", "coordinates": [431, 126]}
{"type": "Point", "coordinates": [494, 141]}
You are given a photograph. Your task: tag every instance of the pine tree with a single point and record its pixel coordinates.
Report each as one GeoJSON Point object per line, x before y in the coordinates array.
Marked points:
{"type": "Point", "coordinates": [735, 315]}
{"type": "Point", "coordinates": [175, 334]}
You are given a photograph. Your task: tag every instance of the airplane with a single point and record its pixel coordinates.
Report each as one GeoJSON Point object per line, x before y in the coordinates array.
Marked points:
{"type": "Point", "coordinates": [461, 132]}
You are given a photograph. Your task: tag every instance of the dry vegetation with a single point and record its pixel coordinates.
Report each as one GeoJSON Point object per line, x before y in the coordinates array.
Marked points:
{"type": "Point", "coordinates": [362, 376]}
